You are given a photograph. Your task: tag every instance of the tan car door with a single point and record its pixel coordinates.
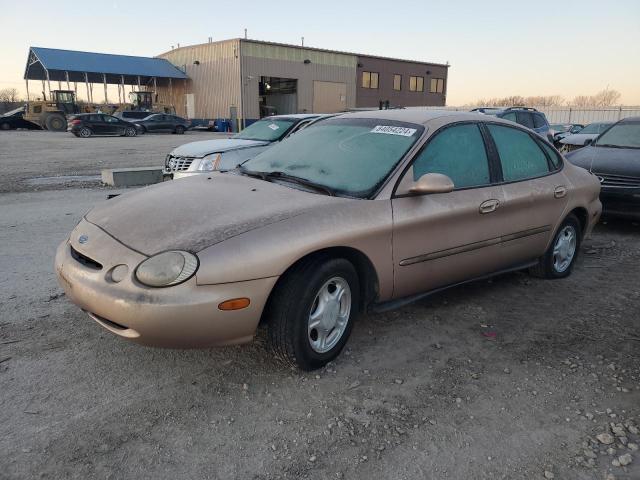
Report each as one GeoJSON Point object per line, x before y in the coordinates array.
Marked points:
{"type": "Point", "coordinates": [534, 191]}
{"type": "Point", "coordinates": [441, 239]}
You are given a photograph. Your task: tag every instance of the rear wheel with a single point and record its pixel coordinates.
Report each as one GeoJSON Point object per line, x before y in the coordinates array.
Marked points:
{"type": "Point", "coordinates": [56, 122]}
{"type": "Point", "coordinates": [5, 126]}
{"type": "Point", "coordinates": [559, 259]}
{"type": "Point", "coordinates": [310, 314]}
{"type": "Point", "coordinates": [130, 132]}
{"type": "Point", "coordinates": [84, 132]}
{"type": "Point", "coordinates": [179, 129]}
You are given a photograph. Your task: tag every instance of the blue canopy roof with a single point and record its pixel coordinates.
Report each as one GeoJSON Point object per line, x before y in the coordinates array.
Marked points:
{"type": "Point", "coordinates": [60, 63]}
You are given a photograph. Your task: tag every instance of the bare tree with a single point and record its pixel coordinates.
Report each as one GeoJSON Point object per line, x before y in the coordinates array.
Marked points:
{"type": "Point", "coordinates": [9, 95]}
{"type": "Point", "coordinates": [604, 98]}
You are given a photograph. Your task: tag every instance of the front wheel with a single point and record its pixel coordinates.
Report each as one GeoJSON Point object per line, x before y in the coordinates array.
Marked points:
{"type": "Point", "coordinates": [559, 259]}
{"type": "Point", "coordinates": [311, 312]}
{"type": "Point", "coordinates": [130, 132]}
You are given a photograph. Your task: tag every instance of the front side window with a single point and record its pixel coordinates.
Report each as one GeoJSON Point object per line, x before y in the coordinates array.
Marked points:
{"type": "Point", "coordinates": [538, 120]}
{"type": "Point", "coordinates": [268, 130]}
{"type": "Point", "coordinates": [352, 156]}
{"type": "Point", "coordinates": [369, 80]}
{"type": "Point", "coordinates": [457, 152]}
{"type": "Point", "coordinates": [524, 118]}
{"type": "Point", "coordinates": [397, 82]}
{"type": "Point", "coordinates": [520, 155]}
{"type": "Point", "coordinates": [416, 84]}
{"type": "Point", "coordinates": [622, 135]}
{"type": "Point", "coordinates": [436, 85]}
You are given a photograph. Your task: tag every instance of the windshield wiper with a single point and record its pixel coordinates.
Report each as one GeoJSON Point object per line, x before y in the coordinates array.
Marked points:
{"type": "Point", "coordinates": [267, 176]}
{"type": "Point", "coordinates": [608, 145]}
{"type": "Point", "coordinates": [301, 181]}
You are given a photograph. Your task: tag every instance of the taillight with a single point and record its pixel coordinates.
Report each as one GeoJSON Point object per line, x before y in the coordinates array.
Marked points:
{"type": "Point", "coordinates": [76, 122]}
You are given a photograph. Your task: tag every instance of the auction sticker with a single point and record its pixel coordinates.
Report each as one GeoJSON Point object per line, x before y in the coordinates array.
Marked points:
{"type": "Point", "coordinates": [273, 127]}
{"type": "Point", "coordinates": [391, 130]}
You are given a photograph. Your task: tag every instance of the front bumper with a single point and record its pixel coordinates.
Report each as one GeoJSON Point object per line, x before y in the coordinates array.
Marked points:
{"type": "Point", "coordinates": [182, 316]}
{"type": "Point", "coordinates": [621, 202]}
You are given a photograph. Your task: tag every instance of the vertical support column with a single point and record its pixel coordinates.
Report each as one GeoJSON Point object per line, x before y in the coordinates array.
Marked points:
{"type": "Point", "coordinates": [48, 83]}
{"type": "Point", "coordinates": [104, 80]}
{"type": "Point", "coordinates": [124, 93]}
{"type": "Point", "coordinates": [86, 82]}
{"type": "Point", "coordinates": [26, 80]}
{"type": "Point", "coordinates": [66, 74]}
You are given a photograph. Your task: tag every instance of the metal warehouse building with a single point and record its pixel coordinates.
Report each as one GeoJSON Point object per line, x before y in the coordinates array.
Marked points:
{"type": "Point", "coordinates": [247, 79]}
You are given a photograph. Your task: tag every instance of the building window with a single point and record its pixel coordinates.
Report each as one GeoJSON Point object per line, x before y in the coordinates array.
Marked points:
{"type": "Point", "coordinates": [437, 85]}
{"type": "Point", "coordinates": [416, 84]}
{"type": "Point", "coordinates": [397, 82]}
{"type": "Point", "coordinates": [369, 80]}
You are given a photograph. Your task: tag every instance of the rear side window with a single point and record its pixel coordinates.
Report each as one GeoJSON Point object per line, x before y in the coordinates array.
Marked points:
{"type": "Point", "coordinates": [525, 119]}
{"type": "Point", "coordinates": [457, 152]}
{"type": "Point", "coordinates": [95, 118]}
{"type": "Point", "coordinates": [510, 116]}
{"type": "Point", "coordinates": [520, 155]}
{"type": "Point", "coordinates": [538, 120]}
{"type": "Point", "coordinates": [553, 155]}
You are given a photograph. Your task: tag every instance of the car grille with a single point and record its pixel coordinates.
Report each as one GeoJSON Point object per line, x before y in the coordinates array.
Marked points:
{"type": "Point", "coordinates": [86, 261]}
{"type": "Point", "coordinates": [177, 164]}
{"type": "Point", "coordinates": [566, 148]}
{"type": "Point", "coordinates": [620, 181]}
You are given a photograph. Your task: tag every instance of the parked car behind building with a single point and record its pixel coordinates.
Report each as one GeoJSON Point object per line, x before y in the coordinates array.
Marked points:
{"type": "Point", "coordinates": [87, 124]}
{"type": "Point", "coordinates": [363, 210]}
{"type": "Point", "coordinates": [614, 157]}
{"type": "Point", "coordinates": [163, 123]}
{"type": "Point", "coordinates": [583, 137]}
{"type": "Point", "coordinates": [196, 158]}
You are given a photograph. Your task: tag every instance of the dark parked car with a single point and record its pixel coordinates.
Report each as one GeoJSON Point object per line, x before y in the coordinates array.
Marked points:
{"type": "Point", "coordinates": [163, 122]}
{"type": "Point", "coordinates": [14, 119]}
{"type": "Point", "coordinates": [87, 124]}
{"type": "Point", "coordinates": [614, 157]}
{"type": "Point", "coordinates": [527, 116]}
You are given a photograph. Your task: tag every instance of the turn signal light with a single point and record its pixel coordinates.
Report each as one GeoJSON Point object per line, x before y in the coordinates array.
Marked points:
{"type": "Point", "coordinates": [234, 304]}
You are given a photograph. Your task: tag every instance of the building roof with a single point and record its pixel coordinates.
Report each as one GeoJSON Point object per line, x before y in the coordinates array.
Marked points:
{"type": "Point", "coordinates": [60, 62]}
{"type": "Point", "coordinates": [312, 49]}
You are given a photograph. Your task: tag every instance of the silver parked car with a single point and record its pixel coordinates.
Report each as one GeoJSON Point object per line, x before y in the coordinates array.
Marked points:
{"type": "Point", "coordinates": [583, 137]}
{"type": "Point", "coordinates": [206, 156]}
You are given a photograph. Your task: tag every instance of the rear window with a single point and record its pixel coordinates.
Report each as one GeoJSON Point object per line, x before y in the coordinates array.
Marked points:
{"type": "Point", "coordinates": [524, 118]}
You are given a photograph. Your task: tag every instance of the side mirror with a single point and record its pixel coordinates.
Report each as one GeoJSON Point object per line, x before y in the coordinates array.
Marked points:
{"type": "Point", "coordinates": [432, 183]}
{"type": "Point", "coordinates": [588, 141]}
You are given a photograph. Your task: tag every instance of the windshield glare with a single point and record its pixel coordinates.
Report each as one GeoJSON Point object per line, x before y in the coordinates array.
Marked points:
{"type": "Point", "coordinates": [348, 155]}
{"type": "Point", "coordinates": [624, 135]}
{"type": "Point", "coordinates": [268, 130]}
{"type": "Point", "coordinates": [595, 128]}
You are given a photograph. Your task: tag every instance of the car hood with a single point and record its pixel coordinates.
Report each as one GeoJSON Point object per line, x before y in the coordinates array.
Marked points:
{"type": "Point", "coordinates": [578, 138]}
{"type": "Point", "coordinates": [197, 212]}
{"type": "Point", "coordinates": [206, 147]}
{"type": "Point", "coordinates": [615, 161]}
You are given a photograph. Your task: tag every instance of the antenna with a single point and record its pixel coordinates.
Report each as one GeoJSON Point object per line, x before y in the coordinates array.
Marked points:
{"type": "Point", "coordinates": [302, 41]}
{"type": "Point", "coordinates": [245, 33]}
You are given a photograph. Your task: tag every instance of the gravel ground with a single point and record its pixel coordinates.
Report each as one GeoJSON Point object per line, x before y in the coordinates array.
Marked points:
{"type": "Point", "coordinates": [514, 378]}
{"type": "Point", "coordinates": [36, 160]}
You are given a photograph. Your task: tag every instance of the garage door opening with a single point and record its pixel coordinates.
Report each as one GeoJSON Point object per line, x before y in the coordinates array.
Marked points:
{"type": "Point", "coordinates": [278, 96]}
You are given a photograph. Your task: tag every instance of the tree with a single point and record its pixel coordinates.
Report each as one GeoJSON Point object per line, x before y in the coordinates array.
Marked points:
{"type": "Point", "coordinates": [604, 98]}
{"type": "Point", "coordinates": [9, 95]}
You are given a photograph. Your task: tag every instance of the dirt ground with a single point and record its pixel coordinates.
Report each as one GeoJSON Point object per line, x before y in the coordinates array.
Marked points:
{"type": "Point", "coordinates": [513, 378]}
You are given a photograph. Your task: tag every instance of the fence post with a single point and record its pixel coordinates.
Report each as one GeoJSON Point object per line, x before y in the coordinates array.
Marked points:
{"type": "Point", "coordinates": [619, 113]}
{"type": "Point", "coordinates": [569, 121]}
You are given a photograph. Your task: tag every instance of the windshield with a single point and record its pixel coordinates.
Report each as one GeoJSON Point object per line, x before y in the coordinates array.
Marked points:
{"type": "Point", "coordinates": [348, 155]}
{"type": "Point", "coordinates": [268, 130]}
{"type": "Point", "coordinates": [622, 135]}
{"type": "Point", "coordinates": [595, 128]}
{"type": "Point", "coordinates": [559, 128]}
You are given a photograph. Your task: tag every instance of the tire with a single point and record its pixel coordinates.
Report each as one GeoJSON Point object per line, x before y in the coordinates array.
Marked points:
{"type": "Point", "coordinates": [130, 132]}
{"type": "Point", "coordinates": [555, 263]}
{"type": "Point", "coordinates": [84, 132]}
{"type": "Point", "coordinates": [295, 300]}
{"type": "Point", "coordinates": [56, 122]}
{"type": "Point", "coordinates": [5, 126]}
{"type": "Point", "coordinates": [179, 130]}
{"type": "Point", "coordinates": [141, 130]}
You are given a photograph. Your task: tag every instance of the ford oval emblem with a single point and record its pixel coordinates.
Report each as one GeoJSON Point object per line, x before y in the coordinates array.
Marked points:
{"type": "Point", "coordinates": [83, 239]}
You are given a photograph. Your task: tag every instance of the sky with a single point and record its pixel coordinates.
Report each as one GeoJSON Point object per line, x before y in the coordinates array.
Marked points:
{"type": "Point", "coordinates": [495, 48]}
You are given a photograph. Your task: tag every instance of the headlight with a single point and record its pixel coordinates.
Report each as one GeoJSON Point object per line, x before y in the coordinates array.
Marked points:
{"type": "Point", "coordinates": [210, 163]}
{"type": "Point", "coordinates": [167, 269]}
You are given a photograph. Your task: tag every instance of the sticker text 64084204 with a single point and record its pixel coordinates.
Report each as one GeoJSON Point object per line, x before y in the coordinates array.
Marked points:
{"type": "Point", "coordinates": [391, 130]}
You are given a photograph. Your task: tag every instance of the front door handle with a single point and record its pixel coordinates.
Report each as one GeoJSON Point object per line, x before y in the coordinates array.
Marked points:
{"type": "Point", "coordinates": [489, 206]}
{"type": "Point", "coordinates": [560, 191]}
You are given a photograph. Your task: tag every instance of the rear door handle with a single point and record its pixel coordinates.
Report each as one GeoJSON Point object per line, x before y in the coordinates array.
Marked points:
{"type": "Point", "coordinates": [489, 206]}
{"type": "Point", "coordinates": [560, 191]}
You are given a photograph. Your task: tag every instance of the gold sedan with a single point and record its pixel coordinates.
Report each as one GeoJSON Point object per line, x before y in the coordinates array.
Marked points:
{"type": "Point", "coordinates": [367, 210]}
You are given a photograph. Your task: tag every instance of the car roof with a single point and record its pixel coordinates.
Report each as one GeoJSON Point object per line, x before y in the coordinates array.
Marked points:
{"type": "Point", "coordinates": [630, 119]}
{"type": "Point", "coordinates": [292, 116]}
{"type": "Point", "coordinates": [415, 115]}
